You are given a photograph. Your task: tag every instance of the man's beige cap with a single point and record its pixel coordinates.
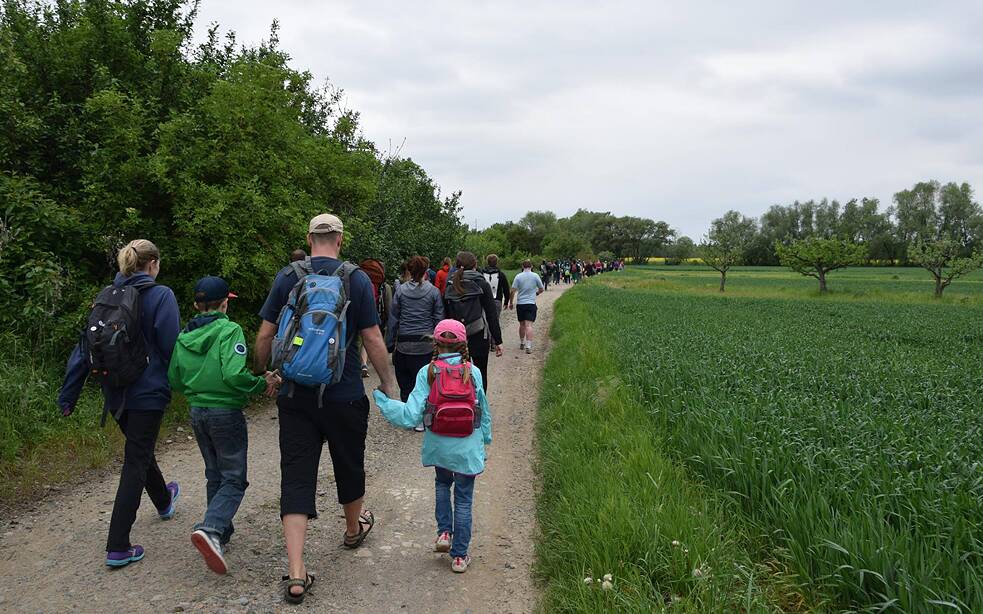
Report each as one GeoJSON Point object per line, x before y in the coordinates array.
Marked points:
{"type": "Point", "coordinates": [325, 223]}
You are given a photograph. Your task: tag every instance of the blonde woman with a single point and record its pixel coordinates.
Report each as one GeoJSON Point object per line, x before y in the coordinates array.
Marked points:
{"type": "Point", "coordinates": [127, 344]}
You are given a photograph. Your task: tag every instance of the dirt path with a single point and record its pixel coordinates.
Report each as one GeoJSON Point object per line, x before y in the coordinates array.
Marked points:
{"type": "Point", "coordinates": [51, 557]}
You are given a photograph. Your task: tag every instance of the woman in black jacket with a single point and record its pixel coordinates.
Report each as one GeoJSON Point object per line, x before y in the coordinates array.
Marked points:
{"type": "Point", "coordinates": [469, 299]}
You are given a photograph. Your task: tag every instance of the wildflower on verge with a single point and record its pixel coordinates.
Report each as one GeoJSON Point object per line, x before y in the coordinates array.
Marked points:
{"type": "Point", "coordinates": [608, 577]}
{"type": "Point", "coordinates": [588, 580]}
{"type": "Point", "coordinates": [675, 543]}
{"type": "Point", "coordinates": [606, 585]}
{"type": "Point", "coordinates": [698, 573]}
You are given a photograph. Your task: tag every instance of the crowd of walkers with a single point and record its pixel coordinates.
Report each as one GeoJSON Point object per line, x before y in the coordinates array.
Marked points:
{"type": "Point", "coordinates": [323, 321]}
{"type": "Point", "coordinates": [574, 270]}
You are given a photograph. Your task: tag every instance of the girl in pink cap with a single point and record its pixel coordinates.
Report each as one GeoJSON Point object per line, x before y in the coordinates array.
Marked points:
{"type": "Point", "coordinates": [450, 401]}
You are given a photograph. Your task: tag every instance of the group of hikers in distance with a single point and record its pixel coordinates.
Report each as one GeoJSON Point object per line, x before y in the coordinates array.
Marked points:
{"type": "Point", "coordinates": [574, 270]}
{"type": "Point", "coordinates": [321, 316]}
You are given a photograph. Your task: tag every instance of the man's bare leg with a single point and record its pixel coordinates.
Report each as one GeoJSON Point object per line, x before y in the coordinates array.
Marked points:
{"type": "Point", "coordinates": [295, 534]}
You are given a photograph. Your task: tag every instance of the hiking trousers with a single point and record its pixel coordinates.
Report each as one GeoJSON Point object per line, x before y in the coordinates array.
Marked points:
{"type": "Point", "coordinates": [407, 367]}
{"type": "Point", "coordinates": [140, 472]}
{"type": "Point", "coordinates": [479, 347]}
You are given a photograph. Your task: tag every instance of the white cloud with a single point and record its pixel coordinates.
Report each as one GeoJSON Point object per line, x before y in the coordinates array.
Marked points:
{"type": "Point", "coordinates": [677, 111]}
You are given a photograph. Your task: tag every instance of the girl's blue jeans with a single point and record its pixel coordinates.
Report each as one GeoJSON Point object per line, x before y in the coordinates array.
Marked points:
{"type": "Point", "coordinates": [455, 519]}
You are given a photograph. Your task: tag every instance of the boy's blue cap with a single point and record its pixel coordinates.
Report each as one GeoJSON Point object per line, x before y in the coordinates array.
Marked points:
{"type": "Point", "coordinates": [212, 288]}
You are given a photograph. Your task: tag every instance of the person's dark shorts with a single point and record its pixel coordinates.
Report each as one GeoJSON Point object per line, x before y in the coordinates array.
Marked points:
{"type": "Point", "coordinates": [303, 429]}
{"type": "Point", "coordinates": [525, 313]}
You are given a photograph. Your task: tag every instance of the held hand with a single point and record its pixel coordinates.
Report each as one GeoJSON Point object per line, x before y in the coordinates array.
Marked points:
{"type": "Point", "coordinates": [498, 351]}
{"type": "Point", "coordinates": [388, 389]}
{"type": "Point", "coordinates": [273, 382]}
{"type": "Point", "coordinates": [66, 410]}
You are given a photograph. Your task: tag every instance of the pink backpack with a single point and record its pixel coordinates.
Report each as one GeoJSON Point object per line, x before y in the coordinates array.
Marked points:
{"type": "Point", "coordinates": [452, 408]}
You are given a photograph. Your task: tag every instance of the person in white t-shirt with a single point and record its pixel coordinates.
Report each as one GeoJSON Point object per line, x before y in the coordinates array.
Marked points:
{"type": "Point", "coordinates": [525, 288]}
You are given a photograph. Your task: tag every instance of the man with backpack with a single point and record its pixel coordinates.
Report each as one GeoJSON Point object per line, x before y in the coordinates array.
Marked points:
{"type": "Point", "coordinates": [499, 283]}
{"type": "Point", "coordinates": [311, 318]}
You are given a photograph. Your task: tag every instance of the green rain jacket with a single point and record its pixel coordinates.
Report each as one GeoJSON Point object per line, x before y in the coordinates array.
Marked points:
{"type": "Point", "coordinates": [209, 364]}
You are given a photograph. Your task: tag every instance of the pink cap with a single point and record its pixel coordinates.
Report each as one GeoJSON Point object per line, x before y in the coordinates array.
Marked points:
{"type": "Point", "coordinates": [450, 328]}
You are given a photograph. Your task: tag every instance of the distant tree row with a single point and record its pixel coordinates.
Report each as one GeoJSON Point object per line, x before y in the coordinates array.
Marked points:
{"type": "Point", "coordinates": [585, 234]}
{"type": "Point", "coordinates": [938, 227]}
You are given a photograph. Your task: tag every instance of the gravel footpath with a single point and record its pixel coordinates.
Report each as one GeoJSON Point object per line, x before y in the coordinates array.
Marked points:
{"type": "Point", "coordinates": [51, 555]}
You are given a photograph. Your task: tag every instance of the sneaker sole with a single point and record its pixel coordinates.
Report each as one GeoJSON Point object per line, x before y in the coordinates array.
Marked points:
{"type": "Point", "coordinates": [441, 548]}
{"type": "Point", "coordinates": [124, 562]}
{"type": "Point", "coordinates": [214, 561]}
{"type": "Point", "coordinates": [170, 514]}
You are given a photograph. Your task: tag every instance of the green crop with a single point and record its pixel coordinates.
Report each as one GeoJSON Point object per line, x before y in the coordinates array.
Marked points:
{"type": "Point", "coordinates": [849, 432]}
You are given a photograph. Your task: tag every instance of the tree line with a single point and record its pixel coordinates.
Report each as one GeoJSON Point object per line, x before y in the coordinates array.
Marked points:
{"type": "Point", "coordinates": [116, 125]}
{"type": "Point", "coordinates": [937, 227]}
{"type": "Point", "coordinates": [585, 234]}
{"type": "Point", "coordinates": [933, 225]}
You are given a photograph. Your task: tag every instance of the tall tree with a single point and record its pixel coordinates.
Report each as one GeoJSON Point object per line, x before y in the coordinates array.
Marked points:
{"type": "Point", "coordinates": [816, 257]}
{"type": "Point", "coordinates": [726, 242]}
{"type": "Point", "coordinates": [941, 259]}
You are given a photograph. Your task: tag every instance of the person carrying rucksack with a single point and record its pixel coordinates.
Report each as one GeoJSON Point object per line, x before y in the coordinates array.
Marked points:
{"type": "Point", "coordinates": [416, 310]}
{"type": "Point", "coordinates": [469, 300]}
{"type": "Point", "coordinates": [127, 345]}
{"type": "Point", "coordinates": [499, 283]}
{"type": "Point", "coordinates": [450, 400]}
{"type": "Point", "coordinates": [209, 368]}
{"type": "Point", "coordinates": [311, 317]}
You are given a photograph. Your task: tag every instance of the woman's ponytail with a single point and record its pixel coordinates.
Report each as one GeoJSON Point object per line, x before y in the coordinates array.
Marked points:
{"type": "Point", "coordinates": [466, 261]}
{"type": "Point", "coordinates": [136, 255]}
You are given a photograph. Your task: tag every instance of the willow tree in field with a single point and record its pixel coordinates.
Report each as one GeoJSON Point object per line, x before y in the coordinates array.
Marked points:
{"type": "Point", "coordinates": [816, 257]}
{"type": "Point", "coordinates": [941, 259]}
{"type": "Point", "coordinates": [724, 245]}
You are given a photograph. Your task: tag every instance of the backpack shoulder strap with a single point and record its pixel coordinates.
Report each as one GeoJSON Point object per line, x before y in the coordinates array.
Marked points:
{"type": "Point", "coordinates": [345, 272]}
{"type": "Point", "coordinates": [139, 287]}
{"type": "Point", "coordinates": [302, 268]}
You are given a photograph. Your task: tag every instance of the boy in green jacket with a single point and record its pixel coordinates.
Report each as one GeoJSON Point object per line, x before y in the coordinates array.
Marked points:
{"type": "Point", "coordinates": [209, 367]}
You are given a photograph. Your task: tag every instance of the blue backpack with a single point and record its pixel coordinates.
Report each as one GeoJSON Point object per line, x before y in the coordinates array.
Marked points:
{"type": "Point", "coordinates": [312, 333]}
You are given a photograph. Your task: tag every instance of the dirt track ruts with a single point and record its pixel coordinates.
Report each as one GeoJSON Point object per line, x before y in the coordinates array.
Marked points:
{"type": "Point", "coordinates": [51, 556]}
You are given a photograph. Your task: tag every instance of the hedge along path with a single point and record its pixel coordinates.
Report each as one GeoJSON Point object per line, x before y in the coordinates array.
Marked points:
{"type": "Point", "coordinates": [51, 558]}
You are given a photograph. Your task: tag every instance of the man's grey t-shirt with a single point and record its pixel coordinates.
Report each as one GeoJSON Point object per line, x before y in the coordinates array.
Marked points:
{"type": "Point", "coordinates": [526, 284]}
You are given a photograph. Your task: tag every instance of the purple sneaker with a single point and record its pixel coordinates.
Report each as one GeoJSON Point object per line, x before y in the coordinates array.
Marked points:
{"type": "Point", "coordinates": [168, 512]}
{"type": "Point", "coordinates": [125, 557]}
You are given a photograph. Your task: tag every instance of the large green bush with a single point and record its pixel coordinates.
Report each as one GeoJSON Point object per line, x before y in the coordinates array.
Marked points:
{"type": "Point", "coordinates": [114, 125]}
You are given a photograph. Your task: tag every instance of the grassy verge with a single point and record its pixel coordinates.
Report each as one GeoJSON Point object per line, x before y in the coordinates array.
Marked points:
{"type": "Point", "coordinates": [39, 448]}
{"type": "Point", "coordinates": [613, 502]}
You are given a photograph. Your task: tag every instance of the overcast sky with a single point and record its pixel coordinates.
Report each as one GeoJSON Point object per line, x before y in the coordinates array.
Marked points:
{"type": "Point", "coordinates": [676, 111]}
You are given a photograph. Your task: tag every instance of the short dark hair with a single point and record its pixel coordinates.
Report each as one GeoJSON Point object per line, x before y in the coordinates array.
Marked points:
{"type": "Point", "coordinates": [297, 255]}
{"type": "Point", "coordinates": [210, 305]}
{"type": "Point", "coordinates": [492, 260]}
{"type": "Point", "coordinates": [527, 264]}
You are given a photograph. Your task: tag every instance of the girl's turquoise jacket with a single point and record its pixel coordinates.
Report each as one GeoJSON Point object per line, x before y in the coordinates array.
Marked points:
{"type": "Point", "coordinates": [465, 455]}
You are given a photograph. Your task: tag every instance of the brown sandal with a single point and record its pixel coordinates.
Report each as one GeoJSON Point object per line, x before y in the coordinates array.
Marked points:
{"type": "Point", "coordinates": [306, 583]}
{"type": "Point", "coordinates": [365, 523]}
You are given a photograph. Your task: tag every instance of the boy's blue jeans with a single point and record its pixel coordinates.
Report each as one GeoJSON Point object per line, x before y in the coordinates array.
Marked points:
{"type": "Point", "coordinates": [457, 519]}
{"type": "Point", "coordinates": [223, 441]}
